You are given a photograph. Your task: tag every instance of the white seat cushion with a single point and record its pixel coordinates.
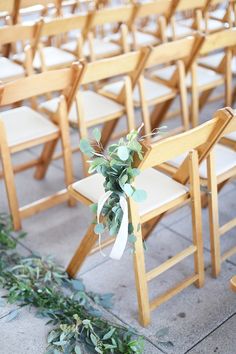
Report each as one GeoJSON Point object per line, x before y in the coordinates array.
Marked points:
{"type": "Point", "coordinates": [102, 48]}
{"type": "Point", "coordinates": [160, 189]}
{"type": "Point", "coordinates": [142, 39]}
{"type": "Point", "coordinates": [214, 60]}
{"type": "Point", "coordinates": [225, 159]}
{"type": "Point", "coordinates": [220, 14]}
{"type": "Point", "coordinates": [24, 124]}
{"type": "Point", "coordinates": [10, 70]}
{"type": "Point", "coordinates": [54, 57]}
{"type": "Point", "coordinates": [212, 25]}
{"type": "Point", "coordinates": [95, 106]}
{"type": "Point", "coordinates": [152, 90]}
{"type": "Point", "coordinates": [231, 136]}
{"type": "Point", "coordinates": [204, 76]}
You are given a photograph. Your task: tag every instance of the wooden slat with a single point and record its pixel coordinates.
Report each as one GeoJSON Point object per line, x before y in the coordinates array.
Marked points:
{"type": "Point", "coordinates": [228, 226]}
{"type": "Point", "coordinates": [44, 203]}
{"type": "Point", "coordinates": [170, 262]}
{"type": "Point", "coordinates": [228, 254]}
{"type": "Point", "coordinates": [173, 291]}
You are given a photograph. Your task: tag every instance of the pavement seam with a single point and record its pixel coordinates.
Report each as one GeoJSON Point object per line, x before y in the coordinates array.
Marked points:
{"type": "Point", "coordinates": [212, 331]}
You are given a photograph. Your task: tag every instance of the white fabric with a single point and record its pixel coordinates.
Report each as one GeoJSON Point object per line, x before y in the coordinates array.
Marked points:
{"type": "Point", "coordinates": [212, 25]}
{"type": "Point", "coordinates": [53, 57]}
{"type": "Point", "coordinates": [24, 124]}
{"type": "Point", "coordinates": [214, 60]}
{"type": "Point", "coordinates": [152, 90]}
{"type": "Point", "coordinates": [101, 48]}
{"type": "Point", "coordinates": [95, 106]}
{"type": "Point", "coordinates": [225, 159]}
{"type": "Point", "coordinates": [160, 189]}
{"type": "Point", "coordinates": [204, 76]}
{"type": "Point", "coordinates": [10, 70]}
{"type": "Point", "coordinates": [180, 31]}
{"type": "Point", "coordinates": [142, 39]}
{"type": "Point", "coordinates": [231, 136]}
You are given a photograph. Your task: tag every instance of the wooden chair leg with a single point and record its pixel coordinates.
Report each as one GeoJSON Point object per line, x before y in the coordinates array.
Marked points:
{"type": "Point", "coordinates": [213, 216]}
{"type": "Point", "coordinates": [82, 252]}
{"type": "Point", "coordinates": [66, 147]}
{"type": "Point", "coordinates": [196, 217]}
{"type": "Point", "coordinates": [139, 269]}
{"type": "Point", "coordinates": [129, 104]}
{"type": "Point", "coordinates": [45, 159]}
{"type": "Point", "coordinates": [183, 96]}
{"type": "Point", "coordinates": [9, 179]}
{"type": "Point", "coordinates": [195, 98]}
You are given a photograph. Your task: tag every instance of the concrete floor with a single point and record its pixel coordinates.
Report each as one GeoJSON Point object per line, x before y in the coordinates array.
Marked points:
{"type": "Point", "coordinates": [198, 320]}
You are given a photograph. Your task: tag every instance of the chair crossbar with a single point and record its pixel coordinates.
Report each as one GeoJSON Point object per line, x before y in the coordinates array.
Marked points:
{"type": "Point", "coordinates": [227, 227]}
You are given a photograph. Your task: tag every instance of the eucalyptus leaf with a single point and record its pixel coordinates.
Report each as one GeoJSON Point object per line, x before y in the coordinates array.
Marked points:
{"type": "Point", "coordinates": [97, 134]}
{"type": "Point", "coordinates": [123, 153]}
{"type": "Point", "coordinates": [99, 229]}
{"type": "Point", "coordinates": [139, 195]}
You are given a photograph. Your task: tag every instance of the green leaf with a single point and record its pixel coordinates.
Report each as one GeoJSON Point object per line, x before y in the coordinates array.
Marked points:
{"type": "Point", "coordinates": [98, 350]}
{"type": "Point", "coordinates": [109, 334]}
{"type": "Point", "coordinates": [139, 195]}
{"type": "Point", "coordinates": [77, 284]}
{"type": "Point", "coordinates": [99, 229]}
{"type": "Point", "coordinates": [132, 238]}
{"type": "Point", "coordinates": [86, 148]}
{"type": "Point", "coordinates": [93, 339]}
{"type": "Point", "coordinates": [123, 153]}
{"type": "Point", "coordinates": [135, 172]}
{"type": "Point", "coordinates": [97, 134]}
{"type": "Point", "coordinates": [77, 350]}
{"type": "Point", "coordinates": [128, 189]}
{"type": "Point", "coordinates": [94, 207]}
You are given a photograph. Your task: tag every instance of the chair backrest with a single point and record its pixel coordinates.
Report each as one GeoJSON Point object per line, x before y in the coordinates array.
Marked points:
{"type": "Point", "coordinates": [171, 51]}
{"type": "Point", "coordinates": [35, 85]}
{"type": "Point", "coordinates": [7, 7]}
{"type": "Point", "coordinates": [131, 64]}
{"type": "Point", "coordinates": [219, 40]}
{"type": "Point", "coordinates": [21, 32]}
{"type": "Point", "coordinates": [202, 138]}
{"type": "Point", "coordinates": [60, 25]}
{"type": "Point", "coordinates": [158, 7]}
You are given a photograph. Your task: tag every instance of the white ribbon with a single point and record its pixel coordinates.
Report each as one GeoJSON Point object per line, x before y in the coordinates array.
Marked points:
{"type": "Point", "coordinates": [122, 236]}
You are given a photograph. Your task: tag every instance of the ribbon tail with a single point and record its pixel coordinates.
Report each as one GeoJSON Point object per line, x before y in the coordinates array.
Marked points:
{"type": "Point", "coordinates": [122, 236]}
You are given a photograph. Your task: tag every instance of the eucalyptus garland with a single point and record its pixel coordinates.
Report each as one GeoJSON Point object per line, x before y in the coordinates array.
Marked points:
{"type": "Point", "coordinates": [116, 166]}
{"type": "Point", "coordinates": [78, 325]}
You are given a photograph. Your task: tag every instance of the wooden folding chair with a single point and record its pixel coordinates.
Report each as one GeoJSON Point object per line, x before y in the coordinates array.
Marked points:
{"type": "Point", "coordinates": [136, 38]}
{"type": "Point", "coordinates": [233, 283]}
{"type": "Point", "coordinates": [203, 81]}
{"type": "Point", "coordinates": [96, 47]}
{"type": "Point", "coordinates": [149, 93]}
{"type": "Point", "coordinates": [22, 128]}
{"type": "Point", "coordinates": [92, 108]}
{"type": "Point", "coordinates": [219, 168]}
{"type": "Point", "coordinates": [37, 9]}
{"type": "Point", "coordinates": [51, 57]}
{"type": "Point", "coordinates": [9, 67]}
{"type": "Point", "coordinates": [163, 194]}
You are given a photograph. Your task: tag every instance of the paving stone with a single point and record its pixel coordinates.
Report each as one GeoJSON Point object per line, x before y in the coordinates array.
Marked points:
{"type": "Point", "coordinates": [189, 315]}
{"type": "Point", "coordinates": [221, 341]}
{"type": "Point", "coordinates": [25, 334]}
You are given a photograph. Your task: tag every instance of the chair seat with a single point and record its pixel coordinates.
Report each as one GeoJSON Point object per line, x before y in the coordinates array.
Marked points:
{"type": "Point", "coordinates": [102, 48]}
{"type": "Point", "coordinates": [231, 136]}
{"type": "Point", "coordinates": [225, 160]}
{"type": "Point", "coordinates": [23, 124]}
{"type": "Point", "coordinates": [10, 70]}
{"type": "Point", "coordinates": [160, 189]}
{"type": "Point", "coordinates": [142, 39]}
{"type": "Point", "coordinates": [54, 57]}
{"type": "Point", "coordinates": [152, 90]}
{"type": "Point", "coordinates": [212, 25]}
{"type": "Point", "coordinates": [204, 76]}
{"type": "Point", "coordinates": [219, 14]}
{"type": "Point", "coordinates": [180, 31]}
{"type": "Point", "coordinates": [213, 61]}
{"type": "Point", "coordinates": [95, 106]}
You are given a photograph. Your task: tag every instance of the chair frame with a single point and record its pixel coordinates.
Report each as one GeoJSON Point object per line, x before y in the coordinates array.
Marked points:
{"type": "Point", "coordinates": [199, 141]}
{"type": "Point", "coordinates": [10, 93]}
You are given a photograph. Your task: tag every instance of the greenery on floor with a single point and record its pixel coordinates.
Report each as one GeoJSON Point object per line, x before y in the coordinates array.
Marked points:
{"type": "Point", "coordinates": [78, 326]}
